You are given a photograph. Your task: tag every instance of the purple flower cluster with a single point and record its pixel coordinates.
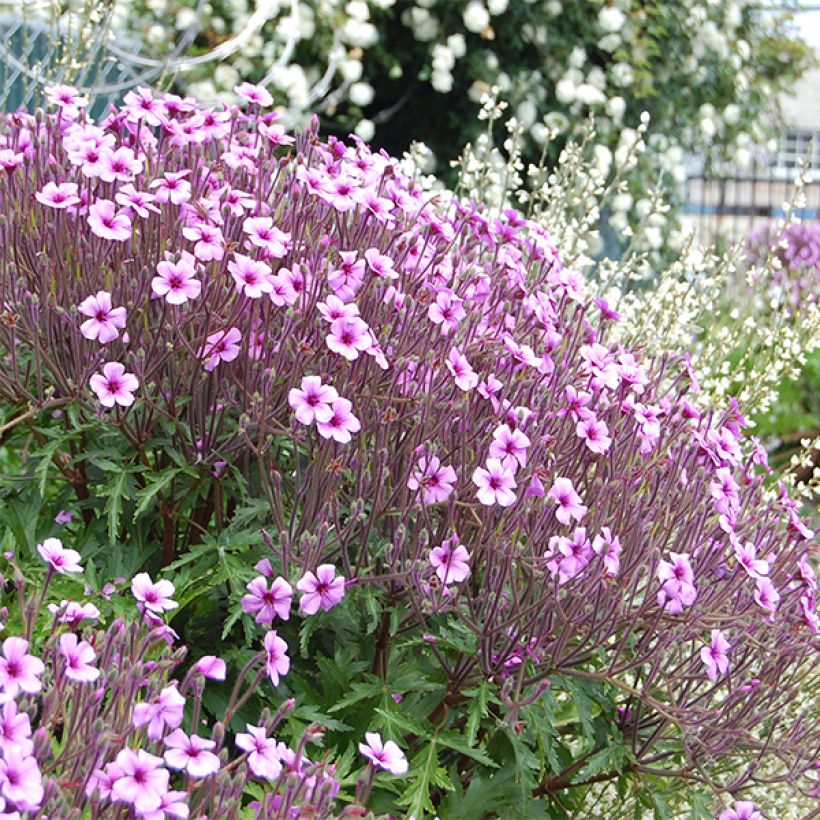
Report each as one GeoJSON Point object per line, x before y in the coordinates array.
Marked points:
{"type": "Point", "coordinates": [463, 434]}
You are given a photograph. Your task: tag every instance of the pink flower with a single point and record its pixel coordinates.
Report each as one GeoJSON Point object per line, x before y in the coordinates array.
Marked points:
{"type": "Point", "coordinates": [348, 337]}
{"type": "Point", "coordinates": [19, 671]}
{"type": "Point", "coordinates": [59, 196]}
{"type": "Point", "coordinates": [594, 433]}
{"type": "Point", "coordinates": [341, 424]}
{"type": "Point", "coordinates": [175, 280]}
{"type": "Point", "coordinates": [166, 711]}
{"type": "Point", "coordinates": [386, 756]}
{"type": "Point", "coordinates": [747, 558]}
{"type": "Point", "coordinates": [209, 243]}
{"type": "Point", "coordinates": [154, 596]}
{"type": "Point", "coordinates": [716, 655]}
{"type": "Point", "coordinates": [63, 517]}
{"type": "Point", "coordinates": [380, 264]}
{"type": "Point", "coordinates": [312, 401]}
{"type": "Point", "coordinates": [114, 386]}
{"type": "Point", "coordinates": [140, 202]}
{"type": "Point", "coordinates": [510, 447]}
{"type": "Point", "coordinates": [263, 758]}
{"type": "Point", "coordinates": [173, 188]}
{"type": "Point", "coordinates": [568, 501]}
{"type": "Point", "coordinates": [575, 554]}
{"type": "Point", "coordinates": [766, 596]}
{"type": "Point", "coordinates": [105, 321]}
{"type": "Point", "coordinates": [141, 105]}
{"type": "Point", "coordinates": [15, 732]}
{"type": "Point", "coordinates": [435, 480]}
{"type": "Point", "coordinates": [143, 781]}
{"type": "Point", "coordinates": [252, 277]}
{"type": "Point", "coordinates": [256, 94]}
{"type": "Point", "coordinates": [324, 589]}
{"type": "Point", "coordinates": [58, 558]}
{"type": "Point", "coordinates": [268, 603]}
{"type": "Point", "coordinates": [72, 613]}
{"type": "Point", "coordinates": [21, 781]}
{"type": "Point", "coordinates": [173, 804]}
{"type": "Point", "coordinates": [446, 311]}
{"type": "Point", "coordinates": [107, 222]}
{"type": "Point", "coordinates": [262, 233]}
{"type": "Point", "coordinates": [466, 378]}
{"type": "Point", "coordinates": [334, 308]}
{"type": "Point", "coordinates": [222, 346]}
{"type": "Point", "coordinates": [79, 657]}
{"type": "Point", "coordinates": [191, 753]}
{"type": "Point", "coordinates": [609, 547]}
{"type": "Point", "coordinates": [741, 810]}
{"type": "Point", "coordinates": [278, 662]}
{"type": "Point", "coordinates": [450, 561]}
{"type": "Point", "coordinates": [496, 484]}
{"type": "Point", "coordinates": [211, 667]}
{"type": "Point", "coordinates": [120, 165]}
{"type": "Point", "coordinates": [678, 579]}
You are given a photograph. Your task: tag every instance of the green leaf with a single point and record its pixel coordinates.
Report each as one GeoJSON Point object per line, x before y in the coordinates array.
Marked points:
{"type": "Point", "coordinates": [113, 507]}
{"type": "Point", "coordinates": [146, 496]}
{"type": "Point", "coordinates": [610, 758]}
{"type": "Point", "coordinates": [425, 774]}
{"type": "Point", "coordinates": [395, 717]}
{"type": "Point", "coordinates": [358, 693]}
{"type": "Point", "coordinates": [453, 740]}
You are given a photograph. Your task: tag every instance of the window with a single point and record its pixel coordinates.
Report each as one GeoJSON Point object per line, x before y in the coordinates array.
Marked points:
{"type": "Point", "coordinates": [794, 147]}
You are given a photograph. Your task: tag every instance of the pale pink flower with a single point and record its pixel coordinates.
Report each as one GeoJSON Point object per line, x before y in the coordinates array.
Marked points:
{"type": "Point", "coordinates": [323, 589]}
{"type": "Point", "coordinates": [59, 196]}
{"type": "Point", "coordinates": [142, 105]}
{"type": "Point", "coordinates": [435, 480]}
{"type": "Point", "coordinates": [496, 484]}
{"type": "Point", "coordinates": [121, 165]}
{"type": "Point", "coordinates": [263, 758]}
{"type": "Point", "coordinates": [79, 657]}
{"type": "Point", "coordinates": [173, 188]}
{"type": "Point", "coordinates": [341, 424]}
{"type": "Point", "coordinates": [334, 308]}
{"type": "Point", "coordinates": [447, 311]}
{"type": "Point", "coordinates": [173, 804]}
{"type": "Point", "coordinates": [568, 502]}
{"type": "Point", "coordinates": [312, 401]}
{"type": "Point", "coordinates": [466, 378]}
{"type": "Point", "coordinates": [510, 446]}
{"type": "Point", "coordinates": [114, 385]}
{"type": "Point", "coordinates": [21, 782]}
{"type": "Point", "coordinates": [252, 277]}
{"type": "Point", "coordinates": [747, 558]}
{"type": "Point", "coordinates": [107, 222]}
{"type": "Point", "coordinates": [384, 755]}
{"type": "Point", "coordinates": [105, 321]}
{"type": "Point", "coordinates": [154, 596]}
{"type": "Point", "coordinates": [175, 280]}
{"type": "Point", "coordinates": [66, 97]}
{"type": "Point", "coordinates": [142, 782]}
{"type": "Point", "coordinates": [166, 711]}
{"type": "Point", "coordinates": [262, 233]}
{"type": "Point", "coordinates": [72, 613]}
{"type": "Point", "coordinates": [609, 546]}
{"type": "Point", "coordinates": [211, 667]}
{"type": "Point", "coordinates": [191, 753]}
{"type": "Point", "coordinates": [278, 662]}
{"type": "Point", "coordinates": [222, 346]}
{"type": "Point", "coordinates": [348, 337]}
{"type": "Point", "coordinates": [140, 202]}
{"type": "Point", "coordinates": [209, 242]}
{"type": "Point", "coordinates": [595, 434]}
{"type": "Point", "coordinates": [380, 264]}
{"type": "Point", "coordinates": [716, 655]}
{"type": "Point", "coordinates": [256, 94]}
{"type": "Point", "coordinates": [59, 558]}
{"type": "Point", "coordinates": [103, 780]}
{"type": "Point", "coordinates": [15, 731]}
{"type": "Point", "coordinates": [766, 596]}
{"type": "Point", "coordinates": [575, 553]}
{"type": "Point", "coordinates": [266, 603]}
{"type": "Point", "coordinates": [741, 810]}
{"type": "Point", "coordinates": [450, 561]}
{"type": "Point", "coordinates": [19, 671]}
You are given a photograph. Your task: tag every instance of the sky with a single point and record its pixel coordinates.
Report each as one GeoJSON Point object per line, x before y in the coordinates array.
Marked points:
{"type": "Point", "coordinates": [809, 22]}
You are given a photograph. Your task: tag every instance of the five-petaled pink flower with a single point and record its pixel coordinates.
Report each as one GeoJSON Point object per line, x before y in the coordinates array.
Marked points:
{"type": "Point", "coordinates": [323, 589]}
{"type": "Point", "coordinates": [262, 233]}
{"type": "Point", "coordinates": [59, 558]}
{"type": "Point", "coordinates": [678, 578]}
{"type": "Point", "coordinates": [107, 222]}
{"type": "Point", "coordinates": [450, 561]}
{"type": "Point", "coordinates": [594, 433]}
{"type": "Point", "coordinates": [19, 671]}
{"type": "Point", "coordinates": [312, 401]}
{"type": "Point", "coordinates": [79, 657]}
{"type": "Point", "coordinates": [349, 336]}
{"type": "Point", "coordinates": [58, 195]}
{"type": "Point", "coordinates": [105, 321]}
{"type": "Point", "coordinates": [253, 278]}
{"type": "Point", "coordinates": [175, 280]}
{"type": "Point", "coordinates": [21, 782]}
{"type": "Point", "coordinates": [741, 810]}
{"type": "Point", "coordinates": [434, 479]}
{"type": "Point", "coordinates": [716, 655]}
{"type": "Point", "coordinates": [142, 781]}
{"type": "Point", "coordinates": [277, 660]}
{"type": "Point", "coordinates": [766, 596]}
{"type": "Point", "coordinates": [510, 446]}
{"type": "Point", "coordinates": [465, 377]}
{"type": "Point", "coordinates": [114, 385]}
{"type": "Point", "coordinates": [263, 757]}
{"type": "Point", "coordinates": [568, 502]}
{"type": "Point", "coordinates": [154, 596]}
{"type": "Point", "coordinates": [166, 711]}
{"type": "Point", "coordinates": [256, 94]}
{"type": "Point", "coordinates": [385, 755]}
{"type": "Point", "coordinates": [341, 424]}
{"type": "Point", "coordinates": [211, 667]}
{"type": "Point", "coordinates": [191, 753]}
{"type": "Point", "coordinates": [222, 346]}
{"type": "Point", "coordinates": [15, 731]}
{"type": "Point", "coordinates": [496, 484]}
{"type": "Point", "coordinates": [266, 603]}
